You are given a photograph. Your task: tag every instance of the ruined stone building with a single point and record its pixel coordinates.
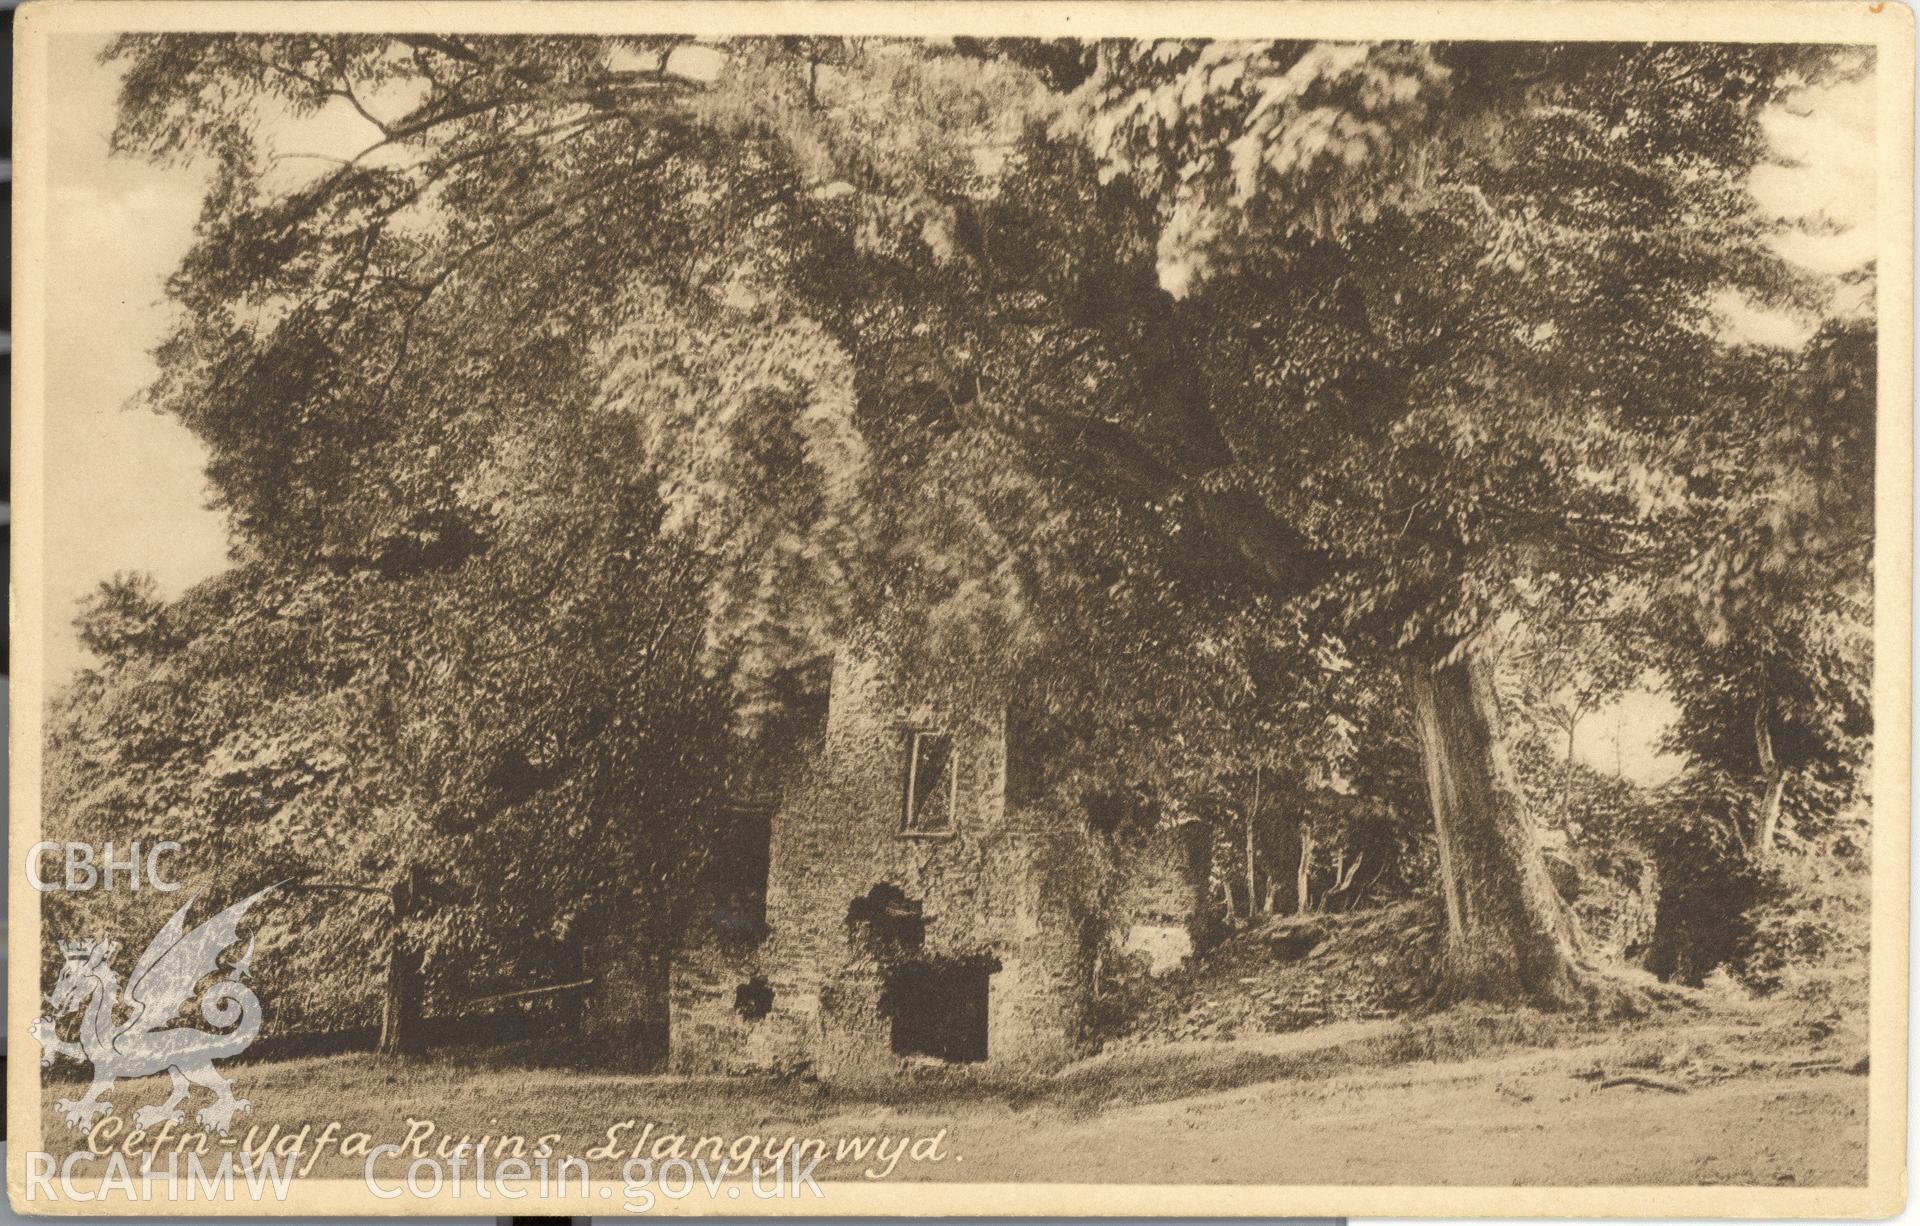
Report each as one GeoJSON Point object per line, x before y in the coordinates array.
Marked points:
{"type": "Point", "coordinates": [891, 906]}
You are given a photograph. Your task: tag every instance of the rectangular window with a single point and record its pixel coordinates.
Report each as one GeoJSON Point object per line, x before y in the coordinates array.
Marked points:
{"type": "Point", "coordinates": [931, 783]}
{"type": "Point", "coordinates": [738, 869]}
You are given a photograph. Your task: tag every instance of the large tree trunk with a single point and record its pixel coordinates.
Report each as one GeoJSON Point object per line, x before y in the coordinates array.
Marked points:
{"type": "Point", "coordinates": [1510, 938]}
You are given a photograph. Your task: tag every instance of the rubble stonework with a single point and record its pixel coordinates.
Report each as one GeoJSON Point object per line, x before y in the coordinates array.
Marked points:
{"type": "Point", "coordinates": [975, 943]}
{"type": "Point", "coordinates": [1163, 900]}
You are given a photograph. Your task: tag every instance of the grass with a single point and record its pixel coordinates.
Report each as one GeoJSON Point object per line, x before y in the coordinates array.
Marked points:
{"type": "Point", "coordinates": [479, 1093]}
{"type": "Point", "coordinates": [1657, 1100]}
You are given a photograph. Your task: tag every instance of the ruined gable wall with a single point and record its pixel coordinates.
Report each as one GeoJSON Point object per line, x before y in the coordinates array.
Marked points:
{"type": "Point", "coordinates": [839, 832]}
{"type": "Point", "coordinates": [982, 889]}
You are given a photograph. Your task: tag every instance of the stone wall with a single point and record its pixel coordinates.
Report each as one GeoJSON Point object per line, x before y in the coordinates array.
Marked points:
{"type": "Point", "coordinates": [621, 948]}
{"type": "Point", "coordinates": [1164, 914]}
{"type": "Point", "coordinates": [981, 889]}
{"type": "Point", "coordinates": [710, 1030]}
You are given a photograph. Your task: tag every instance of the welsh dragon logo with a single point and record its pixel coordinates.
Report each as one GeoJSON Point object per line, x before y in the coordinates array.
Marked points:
{"type": "Point", "coordinates": [165, 978]}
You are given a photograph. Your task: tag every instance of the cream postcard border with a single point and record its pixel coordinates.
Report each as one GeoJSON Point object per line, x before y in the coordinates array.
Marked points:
{"type": "Point", "coordinates": [1887, 26]}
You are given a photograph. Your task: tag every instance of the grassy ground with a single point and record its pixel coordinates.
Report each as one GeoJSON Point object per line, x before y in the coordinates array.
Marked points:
{"type": "Point", "coordinates": [1725, 1092]}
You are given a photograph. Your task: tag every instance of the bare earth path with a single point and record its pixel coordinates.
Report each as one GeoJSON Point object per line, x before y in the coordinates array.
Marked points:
{"type": "Point", "coordinates": [1516, 1120]}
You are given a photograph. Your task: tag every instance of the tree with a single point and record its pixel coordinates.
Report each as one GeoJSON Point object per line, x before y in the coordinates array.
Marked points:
{"type": "Point", "coordinates": [1554, 671]}
{"type": "Point", "coordinates": [1418, 265]}
{"type": "Point", "coordinates": [989, 332]}
{"type": "Point", "coordinates": [1786, 696]}
{"type": "Point", "coordinates": [407, 738]}
{"type": "Point", "coordinates": [124, 617]}
{"type": "Point", "coordinates": [1765, 641]}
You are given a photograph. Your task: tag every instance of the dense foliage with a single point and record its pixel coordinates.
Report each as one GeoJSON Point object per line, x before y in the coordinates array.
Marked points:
{"type": "Point", "coordinates": [329, 726]}
{"type": "Point", "coordinates": [1202, 395]}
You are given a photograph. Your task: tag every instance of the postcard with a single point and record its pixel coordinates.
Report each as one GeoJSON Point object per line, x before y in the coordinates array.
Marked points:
{"type": "Point", "coordinates": [995, 609]}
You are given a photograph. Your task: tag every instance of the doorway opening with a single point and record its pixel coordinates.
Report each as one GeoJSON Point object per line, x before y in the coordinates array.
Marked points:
{"type": "Point", "coordinates": [939, 1008]}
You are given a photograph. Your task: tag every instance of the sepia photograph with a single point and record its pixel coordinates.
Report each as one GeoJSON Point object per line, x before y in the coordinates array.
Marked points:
{"type": "Point", "coordinates": [928, 609]}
